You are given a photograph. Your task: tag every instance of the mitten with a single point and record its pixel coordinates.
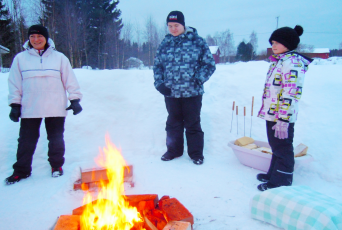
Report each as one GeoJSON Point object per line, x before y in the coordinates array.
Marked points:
{"type": "Point", "coordinates": [164, 90]}
{"type": "Point", "coordinates": [15, 112]}
{"type": "Point", "coordinates": [75, 106]}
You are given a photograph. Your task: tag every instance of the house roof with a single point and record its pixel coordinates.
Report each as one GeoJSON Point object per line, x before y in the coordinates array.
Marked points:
{"type": "Point", "coordinates": [321, 50]}
{"type": "Point", "coordinates": [4, 50]}
{"type": "Point", "coordinates": [213, 49]}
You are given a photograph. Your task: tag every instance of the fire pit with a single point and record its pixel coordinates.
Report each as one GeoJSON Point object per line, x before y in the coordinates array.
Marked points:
{"type": "Point", "coordinates": [111, 209]}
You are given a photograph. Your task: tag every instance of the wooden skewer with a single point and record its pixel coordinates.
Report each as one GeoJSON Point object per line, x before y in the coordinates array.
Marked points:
{"type": "Point", "coordinates": [244, 120]}
{"type": "Point", "coordinates": [237, 120]}
{"type": "Point", "coordinates": [231, 125]}
{"type": "Point", "coordinates": [250, 135]}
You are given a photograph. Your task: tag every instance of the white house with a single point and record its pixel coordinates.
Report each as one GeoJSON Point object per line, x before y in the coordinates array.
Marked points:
{"type": "Point", "coordinates": [3, 50]}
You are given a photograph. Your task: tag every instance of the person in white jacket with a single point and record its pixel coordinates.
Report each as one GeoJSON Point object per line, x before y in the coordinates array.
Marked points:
{"type": "Point", "coordinates": [282, 92]}
{"type": "Point", "coordinates": [38, 81]}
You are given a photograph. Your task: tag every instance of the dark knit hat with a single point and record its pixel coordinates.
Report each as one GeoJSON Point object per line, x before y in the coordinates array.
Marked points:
{"type": "Point", "coordinates": [287, 36]}
{"type": "Point", "coordinates": [175, 16]}
{"type": "Point", "coordinates": [38, 29]}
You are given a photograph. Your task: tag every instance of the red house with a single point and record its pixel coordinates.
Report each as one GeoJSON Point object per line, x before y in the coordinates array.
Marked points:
{"type": "Point", "coordinates": [317, 53]}
{"type": "Point", "coordinates": [215, 51]}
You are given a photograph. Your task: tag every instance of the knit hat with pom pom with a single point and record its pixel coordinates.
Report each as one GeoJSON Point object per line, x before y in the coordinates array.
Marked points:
{"type": "Point", "coordinates": [287, 36]}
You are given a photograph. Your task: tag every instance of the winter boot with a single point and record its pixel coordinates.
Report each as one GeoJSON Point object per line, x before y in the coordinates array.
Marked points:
{"type": "Point", "coordinates": [197, 161]}
{"type": "Point", "coordinates": [263, 177]}
{"type": "Point", "coordinates": [168, 156]}
{"type": "Point", "coordinates": [56, 172]}
{"type": "Point", "coordinates": [15, 178]}
{"type": "Point", "coordinates": [265, 186]}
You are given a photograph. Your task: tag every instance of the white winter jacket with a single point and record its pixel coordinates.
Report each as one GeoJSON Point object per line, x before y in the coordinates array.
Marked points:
{"type": "Point", "coordinates": [39, 83]}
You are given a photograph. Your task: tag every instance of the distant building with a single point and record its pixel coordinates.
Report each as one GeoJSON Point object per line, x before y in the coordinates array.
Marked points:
{"type": "Point", "coordinates": [319, 53]}
{"type": "Point", "coordinates": [3, 50]}
{"type": "Point", "coordinates": [316, 53]}
{"type": "Point", "coordinates": [215, 51]}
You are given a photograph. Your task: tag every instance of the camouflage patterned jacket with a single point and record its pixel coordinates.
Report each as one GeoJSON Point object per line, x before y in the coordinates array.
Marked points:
{"type": "Point", "coordinates": [183, 64]}
{"type": "Point", "coordinates": [283, 87]}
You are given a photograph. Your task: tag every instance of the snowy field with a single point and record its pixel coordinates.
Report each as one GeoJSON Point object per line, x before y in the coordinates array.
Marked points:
{"type": "Point", "coordinates": [125, 104]}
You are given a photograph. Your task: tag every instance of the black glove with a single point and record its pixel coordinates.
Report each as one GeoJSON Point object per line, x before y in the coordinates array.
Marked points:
{"type": "Point", "coordinates": [15, 112]}
{"type": "Point", "coordinates": [164, 90]}
{"type": "Point", "coordinates": [75, 106]}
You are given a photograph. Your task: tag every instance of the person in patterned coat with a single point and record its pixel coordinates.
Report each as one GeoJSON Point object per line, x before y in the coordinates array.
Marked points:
{"type": "Point", "coordinates": [282, 92]}
{"type": "Point", "coordinates": [183, 63]}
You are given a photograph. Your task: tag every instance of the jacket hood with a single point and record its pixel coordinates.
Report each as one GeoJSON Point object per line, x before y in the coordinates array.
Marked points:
{"type": "Point", "coordinates": [284, 56]}
{"type": "Point", "coordinates": [50, 42]}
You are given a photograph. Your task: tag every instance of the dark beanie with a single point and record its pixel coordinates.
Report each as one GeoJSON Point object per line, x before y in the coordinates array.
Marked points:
{"type": "Point", "coordinates": [38, 29]}
{"type": "Point", "coordinates": [287, 36]}
{"type": "Point", "coordinates": [175, 16]}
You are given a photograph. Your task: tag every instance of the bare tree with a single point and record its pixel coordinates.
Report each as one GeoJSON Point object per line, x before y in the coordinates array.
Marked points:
{"type": "Point", "coordinates": [218, 38]}
{"type": "Point", "coordinates": [304, 48]}
{"type": "Point", "coordinates": [210, 40]}
{"type": "Point", "coordinates": [137, 30]}
{"type": "Point", "coordinates": [163, 30]}
{"type": "Point", "coordinates": [226, 44]}
{"type": "Point", "coordinates": [126, 36]}
{"type": "Point", "coordinates": [341, 46]}
{"type": "Point", "coordinates": [17, 12]}
{"type": "Point", "coordinates": [152, 38]}
{"type": "Point", "coordinates": [34, 12]}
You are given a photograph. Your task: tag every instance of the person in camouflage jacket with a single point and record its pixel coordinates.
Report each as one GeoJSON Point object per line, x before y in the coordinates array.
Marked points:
{"type": "Point", "coordinates": [183, 63]}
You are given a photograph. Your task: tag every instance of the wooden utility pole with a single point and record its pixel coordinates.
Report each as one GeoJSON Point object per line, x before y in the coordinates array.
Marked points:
{"type": "Point", "coordinates": [277, 21]}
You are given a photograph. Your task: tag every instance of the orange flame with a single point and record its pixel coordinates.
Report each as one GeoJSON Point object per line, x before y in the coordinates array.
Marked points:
{"type": "Point", "coordinates": [110, 211]}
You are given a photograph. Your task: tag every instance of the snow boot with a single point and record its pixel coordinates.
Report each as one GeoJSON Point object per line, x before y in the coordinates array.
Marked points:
{"type": "Point", "coordinates": [15, 178]}
{"type": "Point", "coordinates": [197, 161]}
{"type": "Point", "coordinates": [263, 177]}
{"type": "Point", "coordinates": [168, 156]}
{"type": "Point", "coordinates": [56, 172]}
{"type": "Point", "coordinates": [265, 186]}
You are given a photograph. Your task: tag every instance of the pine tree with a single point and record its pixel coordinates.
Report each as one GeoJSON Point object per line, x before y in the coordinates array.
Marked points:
{"type": "Point", "coordinates": [103, 27]}
{"type": "Point", "coordinates": [244, 52]}
{"type": "Point", "coordinates": [254, 42]}
{"type": "Point", "coordinates": [86, 31]}
{"type": "Point", "coordinates": [6, 34]}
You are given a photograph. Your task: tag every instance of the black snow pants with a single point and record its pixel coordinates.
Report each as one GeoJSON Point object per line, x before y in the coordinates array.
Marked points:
{"type": "Point", "coordinates": [184, 113]}
{"type": "Point", "coordinates": [28, 138]}
{"type": "Point", "coordinates": [282, 163]}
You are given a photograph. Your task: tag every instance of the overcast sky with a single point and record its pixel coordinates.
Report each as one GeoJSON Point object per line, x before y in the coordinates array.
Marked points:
{"type": "Point", "coordinates": [321, 19]}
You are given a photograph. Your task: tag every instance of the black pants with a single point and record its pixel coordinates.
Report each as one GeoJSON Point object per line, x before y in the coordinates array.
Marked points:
{"type": "Point", "coordinates": [28, 138]}
{"type": "Point", "coordinates": [184, 113]}
{"type": "Point", "coordinates": [282, 163]}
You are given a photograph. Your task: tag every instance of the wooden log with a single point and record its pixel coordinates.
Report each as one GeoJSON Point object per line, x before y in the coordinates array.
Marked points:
{"type": "Point", "coordinates": [175, 211]}
{"type": "Point", "coordinates": [156, 218]}
{"type": "Point", "coordinates": [177, 225]}
{"type": "Point", "coordinates": [97, 174]}
{"type": "Point", "coordinates": [68, 222]}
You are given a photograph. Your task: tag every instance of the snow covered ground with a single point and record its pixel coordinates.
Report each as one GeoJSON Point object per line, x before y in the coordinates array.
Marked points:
{"type": "Point", "coordinates": [124, 104]}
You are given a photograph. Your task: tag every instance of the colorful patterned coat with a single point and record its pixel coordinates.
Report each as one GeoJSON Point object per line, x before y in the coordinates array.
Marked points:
{"type": "Point", "coordinates": [283, 87]}
{"type": "Point", "coordinates": [183, 64]}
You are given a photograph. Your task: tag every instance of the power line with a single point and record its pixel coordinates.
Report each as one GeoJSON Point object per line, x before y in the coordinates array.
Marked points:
{"type": "Point", "coordinates": [305, 32]}
{"type": "Point", "coordinates": [322, 33]}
